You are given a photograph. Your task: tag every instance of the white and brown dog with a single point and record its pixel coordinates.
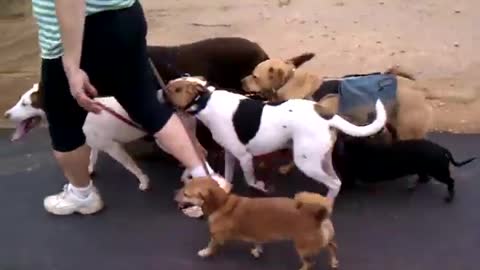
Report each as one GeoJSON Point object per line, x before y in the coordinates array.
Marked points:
{"type": "Point", "coordinates": [101, 130]}
{"type": "Point", "coordinates": [248, 128]}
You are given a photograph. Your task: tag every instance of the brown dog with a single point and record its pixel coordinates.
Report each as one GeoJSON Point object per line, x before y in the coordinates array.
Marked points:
{"type": "Point", "coordinates": [304, 219]}
{"type": "Point", "coordinates": [278, 80]}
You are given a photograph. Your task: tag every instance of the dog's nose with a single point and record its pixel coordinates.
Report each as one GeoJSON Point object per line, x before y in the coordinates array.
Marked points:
{"type": "Point", "coordinates": [7, 115]}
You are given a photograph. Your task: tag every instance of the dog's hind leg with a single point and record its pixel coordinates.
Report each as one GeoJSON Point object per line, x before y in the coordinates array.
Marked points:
{"type": "Point", "coordinates": [92, 161]}
{"type": "Point", "coordinates": [445, 178]}
{"type": "Point", "coordinates": [116, 151]}
{"type": "Point", "coordinates": [325, 173]}
{"type": "Point", "coordinates": [246, 162]}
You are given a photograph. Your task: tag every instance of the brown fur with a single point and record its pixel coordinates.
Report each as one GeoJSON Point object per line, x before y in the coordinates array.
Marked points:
{"type": "Point", "coordinates": [279, 80]}
{"type": "Point", "coordinates": [304, 219]}
{"type": "Point", "coordinates": [181, 93]}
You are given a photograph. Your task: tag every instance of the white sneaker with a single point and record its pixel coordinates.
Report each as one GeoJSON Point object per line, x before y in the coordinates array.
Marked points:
{"type": "Point", "coordinates": [66, 202]}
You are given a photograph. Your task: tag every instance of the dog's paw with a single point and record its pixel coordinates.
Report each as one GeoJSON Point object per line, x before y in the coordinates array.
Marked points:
{"type": "Point", "coordinates": [144, 183]}
{"type": "Point", "coordinates": [256, 251]}
{"type": "Point", "coordinates": [334, 264]}
{"type": "Point", "coordinates": [193, 212]}
{"type": "Point", "coordinates": [206, 252]}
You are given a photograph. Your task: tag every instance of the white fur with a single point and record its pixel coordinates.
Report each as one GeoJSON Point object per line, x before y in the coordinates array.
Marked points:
{"type": "Point", "coordinates": [292, 121]}
{"type": "Point", "coordinates": [103, 132]}
{"type": "Point", "coordinates": [23, 108]}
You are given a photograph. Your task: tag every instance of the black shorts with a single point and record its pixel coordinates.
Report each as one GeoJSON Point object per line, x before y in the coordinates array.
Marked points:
{"type": "Point", "coordinates": [115, 58]}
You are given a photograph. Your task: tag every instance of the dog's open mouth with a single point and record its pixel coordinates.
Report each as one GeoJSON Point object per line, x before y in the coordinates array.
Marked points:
{"type": "Point", "coordinates": [24, 127]}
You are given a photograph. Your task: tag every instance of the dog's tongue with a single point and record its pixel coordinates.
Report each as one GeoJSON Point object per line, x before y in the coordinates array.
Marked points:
{"type": "Point", "coordinates": [19, 132]}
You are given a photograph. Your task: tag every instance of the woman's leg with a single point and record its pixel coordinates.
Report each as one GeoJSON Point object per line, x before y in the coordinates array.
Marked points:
{"type": "Point", "coordinates": [66, 119]}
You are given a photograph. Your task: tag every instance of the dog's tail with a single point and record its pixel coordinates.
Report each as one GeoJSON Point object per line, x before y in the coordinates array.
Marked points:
{"type": "Point", "coordinates": [299, 60]}
{"type": "Point", "coordinates": [361, 131]}
{"type": "Point", "coordinates": [317, 205]}
{"type": "Point", "coordinates": [456, 163]}
{"type": "Point", "coordinates": [399, 71]}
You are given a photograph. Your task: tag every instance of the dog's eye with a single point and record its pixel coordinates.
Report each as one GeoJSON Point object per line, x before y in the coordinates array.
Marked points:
{"type": "Point", "coordinates": [177, 90]}
{"type": "Point", "coordinates": [24, 104]}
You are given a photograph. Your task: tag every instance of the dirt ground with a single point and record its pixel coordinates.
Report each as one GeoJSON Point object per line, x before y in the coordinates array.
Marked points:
{"type": "Point", "coordinates": [434, 39]}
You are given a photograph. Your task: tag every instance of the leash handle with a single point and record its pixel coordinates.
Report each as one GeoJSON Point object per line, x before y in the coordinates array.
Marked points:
{"type": "Point", "coordinates": [164, 88]}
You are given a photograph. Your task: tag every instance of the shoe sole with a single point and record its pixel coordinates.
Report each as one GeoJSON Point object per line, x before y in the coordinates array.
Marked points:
{"type": "Point", "coordinates": [83, 211]}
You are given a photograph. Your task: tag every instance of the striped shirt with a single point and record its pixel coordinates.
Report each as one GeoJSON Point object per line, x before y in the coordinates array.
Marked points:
{"type": "Point", "coordinates": [49, 36]}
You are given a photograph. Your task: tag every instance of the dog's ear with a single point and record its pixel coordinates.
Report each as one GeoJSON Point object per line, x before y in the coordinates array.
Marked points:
{"type": "Point", "coordinates": [35, 100]}
{"type": "Point", "coordinates": [299, 60]}
{"type": "Point", "coordinates": [322, 214]}
{"type": "Point", "coordinates": [197, 88]}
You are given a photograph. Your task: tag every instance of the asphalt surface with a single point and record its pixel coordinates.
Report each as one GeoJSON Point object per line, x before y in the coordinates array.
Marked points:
{"type": "Point", "coordinates": [388, 228]}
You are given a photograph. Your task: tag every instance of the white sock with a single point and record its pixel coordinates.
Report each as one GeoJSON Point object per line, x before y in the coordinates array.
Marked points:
{"type": "Point", "coordinates": [199, 171]}
{"type": "Point", "coordinates": [82, 192]}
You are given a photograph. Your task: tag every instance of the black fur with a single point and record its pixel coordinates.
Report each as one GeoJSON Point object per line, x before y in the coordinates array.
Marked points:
{"type": "Point", "coordinates": [360, 159]}
{"type": "Point", "coordinates": [246, 119]}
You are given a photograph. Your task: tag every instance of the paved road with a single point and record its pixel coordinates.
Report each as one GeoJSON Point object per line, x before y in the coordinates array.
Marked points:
{"type": "Point", "coordinates": [386, 229]}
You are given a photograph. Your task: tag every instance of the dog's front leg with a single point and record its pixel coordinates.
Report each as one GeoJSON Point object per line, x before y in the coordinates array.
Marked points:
{"type": "Point", "coordinates": [332, 252]}
{"type": "Point", "coordinates": [210, 249]}
{"type": "Point", "coordinates": [246, 162]}
{"type": "Point", "coordinates": [229, 166]}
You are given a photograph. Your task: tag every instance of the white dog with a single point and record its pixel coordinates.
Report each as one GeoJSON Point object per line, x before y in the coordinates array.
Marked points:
{"type": "Point", "coordinates": [248, 128]}
{"type": "Point", "coordinates": [103, 132]}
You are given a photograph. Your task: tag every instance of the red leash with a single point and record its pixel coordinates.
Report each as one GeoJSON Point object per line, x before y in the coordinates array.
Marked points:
{"type": "Point", "coordinates": [120, 117]}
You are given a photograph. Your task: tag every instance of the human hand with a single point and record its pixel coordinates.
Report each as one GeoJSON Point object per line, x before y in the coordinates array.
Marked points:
{"type": "Point", "coordinates": [82, 90]}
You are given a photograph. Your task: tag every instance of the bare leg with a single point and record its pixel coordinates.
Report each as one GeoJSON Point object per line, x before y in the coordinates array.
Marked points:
{"type": "Point", "coordinates": [79, 196]}
{"type": "Point", "coordinates": [174, 139]}
{"type": "Point", "coordinates": [75, 165]}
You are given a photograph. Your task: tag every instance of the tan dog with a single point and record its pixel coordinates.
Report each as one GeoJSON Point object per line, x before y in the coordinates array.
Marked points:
{"type": "Point", "coordinates": [279, 80]}
{"type": "Point", "coordinates": [304, 219]}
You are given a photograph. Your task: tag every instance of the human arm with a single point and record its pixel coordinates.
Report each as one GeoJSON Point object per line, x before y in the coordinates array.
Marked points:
{"type": "Point", "coordinates": [71, 18]}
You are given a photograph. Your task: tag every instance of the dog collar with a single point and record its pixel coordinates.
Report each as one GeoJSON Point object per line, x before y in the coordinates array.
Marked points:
{"type": "Point", "coordinates": [199, 103]}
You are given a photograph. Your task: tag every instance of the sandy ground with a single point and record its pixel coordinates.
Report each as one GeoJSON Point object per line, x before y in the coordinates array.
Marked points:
{"type": "Point", "coordinates": [435, 39]}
